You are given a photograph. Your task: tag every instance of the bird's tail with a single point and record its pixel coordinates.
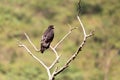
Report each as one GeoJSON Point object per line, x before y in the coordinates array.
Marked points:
{"type": "Point", "coordinates": [42, 49]}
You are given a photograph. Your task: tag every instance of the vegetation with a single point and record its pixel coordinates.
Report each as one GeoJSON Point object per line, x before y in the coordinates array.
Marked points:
{"type": "Point", "coordinates": [99, 59]}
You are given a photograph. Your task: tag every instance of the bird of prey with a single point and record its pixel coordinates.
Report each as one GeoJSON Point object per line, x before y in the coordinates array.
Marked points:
{"type": "Point", "coordinates": [47, 38]}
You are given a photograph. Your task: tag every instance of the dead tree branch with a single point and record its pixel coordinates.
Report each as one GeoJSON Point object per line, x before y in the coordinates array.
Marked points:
{"type": "Point", "coordinates": [37, 59]}
{"type": "Point", "coordinates": [54, 48]}
{"type": "Point", "coordinates": [71, 29]}
{"type": "Point", "coordinates": [24, 46]}
{"type": "Point", "coordinates": [78, 50]}
{"type": "Point", "coordinates": [56, 71]}
{"type": "Point", "coordinates": [31, 42]}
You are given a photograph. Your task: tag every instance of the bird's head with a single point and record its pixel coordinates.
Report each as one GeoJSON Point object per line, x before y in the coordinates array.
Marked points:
{"type": "Point", "coordinates": [51, 27]}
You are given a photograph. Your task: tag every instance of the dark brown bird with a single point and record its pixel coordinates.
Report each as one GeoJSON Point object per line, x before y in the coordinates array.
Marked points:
{"type": "Point", "coordinates": [47, 38]}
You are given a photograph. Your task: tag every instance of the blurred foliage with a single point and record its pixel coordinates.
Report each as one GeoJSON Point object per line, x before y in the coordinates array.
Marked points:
{"type": "Point", "coordinates": [99, 60]}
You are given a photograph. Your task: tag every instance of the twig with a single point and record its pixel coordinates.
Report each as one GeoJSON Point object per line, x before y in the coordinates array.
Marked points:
{"type": "Point", "coordinates": [71, 29]}
{"type": "Point", "coordinates": [31, 42]}
{"type": "Point", "coordinates": [37, 59]}
{"type": "Point", "coordinates": [82, 26]}
{"type": "Point", "coordinates": [40, 61]}
{"type": "Point", "coordinates": [54, 51]}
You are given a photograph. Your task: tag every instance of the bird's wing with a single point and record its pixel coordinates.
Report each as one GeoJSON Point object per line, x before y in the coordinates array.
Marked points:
{"type": "Point", "coordinates": [43, 38]}
{"type": "Point", "coordinates": [47, 38]}
{"type": "Point", "coordinates": [50, 36]}
{"type": "Point", "coordinates": [43, 41]}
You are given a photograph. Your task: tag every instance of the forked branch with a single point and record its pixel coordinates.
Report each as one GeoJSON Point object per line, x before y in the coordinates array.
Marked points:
{"type": "Point", "coordinates": [54, 48]}
{"type": "Point", "coordinates": [37, 59]}
{"type": "Point", "coordinates": [56, 70]}
{"type": "Point", "coordinates": [78, 50]}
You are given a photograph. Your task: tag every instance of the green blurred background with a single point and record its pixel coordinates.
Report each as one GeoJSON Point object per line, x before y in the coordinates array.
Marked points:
{"type": "Point", "coordinates": [100, 57]}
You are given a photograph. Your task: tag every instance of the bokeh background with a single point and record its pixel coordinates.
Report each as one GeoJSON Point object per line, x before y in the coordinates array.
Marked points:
{"type": "Point", "coordinates": [100, 57]}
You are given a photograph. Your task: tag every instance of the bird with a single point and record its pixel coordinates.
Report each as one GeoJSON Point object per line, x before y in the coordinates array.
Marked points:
{"type": "Point", "coordinates": [47, 38]}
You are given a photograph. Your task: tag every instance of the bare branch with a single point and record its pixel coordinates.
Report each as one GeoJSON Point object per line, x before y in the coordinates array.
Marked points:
{"type": "Point", "coordinates": [82, 26]}
{"type": "Point", "coordinates": [54, 62]}
{"type": "Point", "coordinates": [37, 59]}
{"type": "Point", "coordinates": [71, 29]}
{"type": "Point", "coordinates": [31, 42]}
{"type": "Point", "coordinates": [54, 51]}
{"type": "Point", "coordinates": [56, 70]}
{"type": "Point", "coordinates": [77, 52]}
{"type": "Point", "coordinates": [53, 76]}
{"type": "Point", "coordinates": [57, 57]}
{"type": "Point", "coordinates": [40, 61]}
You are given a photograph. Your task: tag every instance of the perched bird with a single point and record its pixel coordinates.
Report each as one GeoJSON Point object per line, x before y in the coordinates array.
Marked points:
{"type": "Point", "coordinates": [47, 38]}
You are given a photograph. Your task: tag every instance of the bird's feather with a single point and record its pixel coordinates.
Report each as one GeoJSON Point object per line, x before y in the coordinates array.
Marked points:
{"type": "Point", "coordinates": [47, 38]}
